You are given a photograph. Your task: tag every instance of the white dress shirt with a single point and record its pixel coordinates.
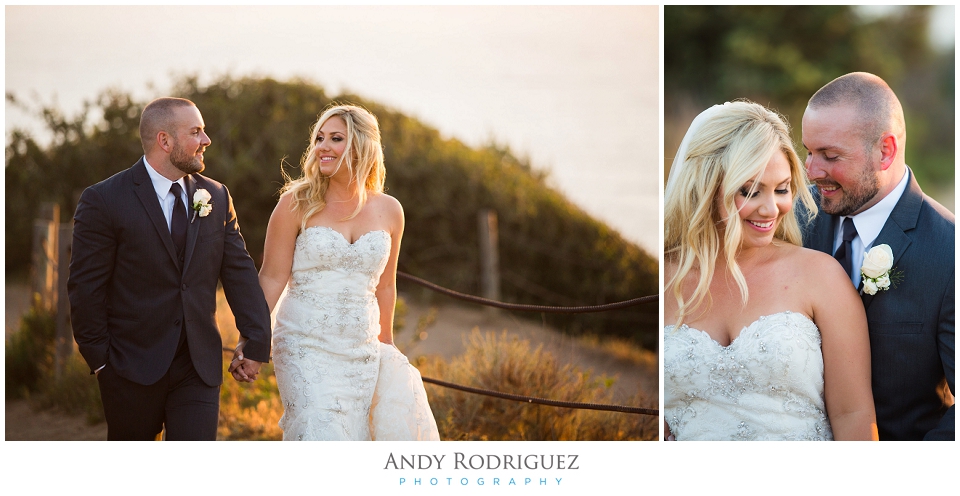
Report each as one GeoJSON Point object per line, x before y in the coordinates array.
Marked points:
{"type": "Point", "coordinates": [868, 224]}
{"type": "Point", "coordinates": [162, 186]}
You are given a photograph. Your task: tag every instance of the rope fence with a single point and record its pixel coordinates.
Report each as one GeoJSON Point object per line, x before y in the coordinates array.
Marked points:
{"type": "Point", "coordinates": [530, 308]}
{"type": "Point", "coordinates": [526, 308]}
{"type": "Point", "coordinates": [542, 401]}
{"type": "Point", "coordinates": [534, 308]}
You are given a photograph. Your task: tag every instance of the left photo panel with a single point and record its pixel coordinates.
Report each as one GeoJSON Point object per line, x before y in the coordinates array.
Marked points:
{"type": "Point", "coordinates": [416, 223]}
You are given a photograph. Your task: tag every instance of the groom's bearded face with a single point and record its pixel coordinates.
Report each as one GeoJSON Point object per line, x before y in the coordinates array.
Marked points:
{"type": "Point", "coordinates": [189, 141]}
{"type": "Point", "coordinates": [844, 167]}
{"type": "Point", "coordinates": [185, 158]}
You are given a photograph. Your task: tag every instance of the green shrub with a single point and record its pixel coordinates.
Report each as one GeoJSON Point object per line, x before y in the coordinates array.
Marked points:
{"type": "Point", "coordinates": [29, 353]}
{"type": "Point", "coordinates": [75, 391]}
{"type": "Point", "coordinates": [31, 371]}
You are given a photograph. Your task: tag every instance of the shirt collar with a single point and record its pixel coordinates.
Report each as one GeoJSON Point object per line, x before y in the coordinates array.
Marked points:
{"type": "Point", "coordinates": [871, 221]}
{"type": "Point", "coordinates": [161, 184]}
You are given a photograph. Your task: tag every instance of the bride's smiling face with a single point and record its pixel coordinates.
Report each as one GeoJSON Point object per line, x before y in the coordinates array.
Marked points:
{"type": "Point", "coordinates": [331, 141]}
{"type": "Point", "coordinates": [762, 206]}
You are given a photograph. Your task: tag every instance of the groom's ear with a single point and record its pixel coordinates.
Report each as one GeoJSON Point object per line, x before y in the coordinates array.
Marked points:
{"type": "Point", "coordinates": [889, 148]}
{"type": "Point", "coordinates": [164, 141]}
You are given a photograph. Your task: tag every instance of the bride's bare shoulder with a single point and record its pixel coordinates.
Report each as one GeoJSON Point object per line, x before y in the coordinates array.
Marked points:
{"type": "Point", "coordinates": [385, 202]}
{"type": "Point", "coordinates": [286, 210]}
{"type": "Point", "coordinates": [815, 264]}
{"type": "Point", "coordinates": [388, 209]}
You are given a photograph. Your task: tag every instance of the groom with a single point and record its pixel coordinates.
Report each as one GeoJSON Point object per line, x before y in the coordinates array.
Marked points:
{"type": "Point", "coordinates": [149, 247]}
{"type": "Point", "coordinates": [855, 136]}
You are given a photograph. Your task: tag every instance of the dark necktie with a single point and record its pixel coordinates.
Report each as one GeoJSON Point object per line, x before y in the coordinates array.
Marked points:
{"type": "Point", "coordinates": [178, 223]}
{"type": "Point", "coordinates": [844, 253]}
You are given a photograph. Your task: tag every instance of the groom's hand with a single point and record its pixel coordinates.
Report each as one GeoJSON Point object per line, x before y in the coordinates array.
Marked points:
{"type": "Point", "coordinates": [244, 369]}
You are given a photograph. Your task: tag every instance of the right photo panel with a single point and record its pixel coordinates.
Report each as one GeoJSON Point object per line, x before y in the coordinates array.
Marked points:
{"type": "Point", "coordinates": [809, 229]}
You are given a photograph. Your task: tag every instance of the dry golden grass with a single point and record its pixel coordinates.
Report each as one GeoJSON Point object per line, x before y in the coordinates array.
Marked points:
{"type": "Point", "coordinates": [508, 364]}
{"type": "Point", "coordinates": [247, 411]}
{"type": "Point", "coordinates": [623, 349]}
{"type": "Point", "coordinates": [491, 361]}
{"type": "Point", "coordinates": [250, 411]}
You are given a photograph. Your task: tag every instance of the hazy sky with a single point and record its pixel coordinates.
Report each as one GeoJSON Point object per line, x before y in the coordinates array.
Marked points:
{"type": "Point", "coordinates": [573, 88]}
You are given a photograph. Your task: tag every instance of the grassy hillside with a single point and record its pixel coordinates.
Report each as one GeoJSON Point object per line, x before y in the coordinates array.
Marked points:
{"type": "Point", "coordinates": [551, 252]}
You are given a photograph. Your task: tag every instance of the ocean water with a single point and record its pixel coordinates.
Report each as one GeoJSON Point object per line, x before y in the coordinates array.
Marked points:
{"type": "Point", "coordinates": [574, 89]}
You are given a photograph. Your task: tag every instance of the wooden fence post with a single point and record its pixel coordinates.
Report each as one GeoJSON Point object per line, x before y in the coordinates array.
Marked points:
{"type": "Point", "coordinates": [489, 257]}
{"type": "Point", "coordinates": [45, 231]}
{"type": "Point", "coordinates": [64, 336]}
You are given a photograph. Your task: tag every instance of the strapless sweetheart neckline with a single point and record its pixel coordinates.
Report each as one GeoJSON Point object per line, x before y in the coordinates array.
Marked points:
{"type": "Point", "coordinates": [344, 238]}
{"type": "Point", "coordinates": [767, 384]}
{"type": "Point", "coordinates": [742, 331]}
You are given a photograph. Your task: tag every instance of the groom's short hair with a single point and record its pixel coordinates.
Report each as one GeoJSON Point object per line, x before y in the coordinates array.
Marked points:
{"type": "Point", "coordinates": [158, 116]}
{"type": "Point", "coordinates": [874, 100]}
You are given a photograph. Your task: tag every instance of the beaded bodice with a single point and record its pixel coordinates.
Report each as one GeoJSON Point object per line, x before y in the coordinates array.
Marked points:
{"type": "Point", "coordinates": [767, 384]}
{"type": "Point", "coordinates": [325, 263]}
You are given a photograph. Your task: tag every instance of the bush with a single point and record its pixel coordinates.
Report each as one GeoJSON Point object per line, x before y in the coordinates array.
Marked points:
{"type": "Point", "coordinates": [29, 352]}
{"type": "Point", "coordinates": [508, 365]}
{"type": "Point", "coordinates": [31, 370]}
{"type": "Point", "coordinates": [75, 392]}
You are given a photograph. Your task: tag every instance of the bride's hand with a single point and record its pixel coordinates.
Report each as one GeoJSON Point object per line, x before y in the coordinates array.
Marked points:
{"type": "Point", "coordinates": [667, 435]}
{"type": "Point", "coordinates": [237, 355]}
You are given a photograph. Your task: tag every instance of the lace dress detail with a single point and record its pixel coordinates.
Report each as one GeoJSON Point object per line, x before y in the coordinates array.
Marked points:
{"type": "Point", "coordinates": [336, 380]}
{"type": "Point", "coordinates": [766, 385]}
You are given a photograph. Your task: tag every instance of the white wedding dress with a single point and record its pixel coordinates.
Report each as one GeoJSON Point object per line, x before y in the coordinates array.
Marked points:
{"type": "Point", "coordinates": [766, 385]}
{"type": "Point", "coordinates": [336, 380]}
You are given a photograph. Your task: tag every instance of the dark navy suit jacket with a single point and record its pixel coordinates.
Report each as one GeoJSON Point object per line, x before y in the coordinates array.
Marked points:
{"type": "Point", "coordinates": [911, 325]}
{"type": "Point", "coordinates": [130, 295]}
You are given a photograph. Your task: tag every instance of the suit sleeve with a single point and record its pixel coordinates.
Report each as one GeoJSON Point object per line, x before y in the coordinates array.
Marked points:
{"type": "Point", "coordinates": [241, 286]}
{"type": "Point", "coordinates": [945, 430]}
{"type": "Point", "coordinates": [91, 267]}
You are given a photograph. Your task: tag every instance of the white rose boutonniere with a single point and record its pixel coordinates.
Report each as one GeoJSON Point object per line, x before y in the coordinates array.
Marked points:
{"type": "Point", "coordinates": [201, 204]}
{"type": "Point", "coordinates": [877, 269]}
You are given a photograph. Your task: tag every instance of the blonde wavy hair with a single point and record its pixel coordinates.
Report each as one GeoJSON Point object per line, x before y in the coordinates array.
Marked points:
{"type": "Point", "coordinates": [731, 147]}
{"type": "Point", "coordinates": [362, 158]}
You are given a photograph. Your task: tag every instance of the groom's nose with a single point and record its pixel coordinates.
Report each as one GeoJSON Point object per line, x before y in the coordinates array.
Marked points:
{"type": "Point", "coordinates": [815, 169]}
{"type": "Point", "coordinates": [205, 139]}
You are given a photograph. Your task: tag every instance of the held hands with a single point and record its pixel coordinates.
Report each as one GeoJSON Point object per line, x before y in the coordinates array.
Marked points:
{"type": "Point", "coordinates": [243, 369]}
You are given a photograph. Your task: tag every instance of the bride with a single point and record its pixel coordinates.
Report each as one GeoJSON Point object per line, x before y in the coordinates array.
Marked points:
{"type": "Point", "coordinates": [333, 242]}
{"type": "Point", "coordinates": [766, 339]}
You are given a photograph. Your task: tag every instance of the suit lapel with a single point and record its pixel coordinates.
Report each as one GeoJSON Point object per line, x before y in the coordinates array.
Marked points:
{"type": "Point", "coordinates": [824, 233]}
{"type": "Point", "coordinates": [143, 187]}
{"type": "Point", "coordinates": [903, 218]}
{"type": "Point", "coordinates": [193, 227]}
{"type": "Point", "coordinates": [821, 231]}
